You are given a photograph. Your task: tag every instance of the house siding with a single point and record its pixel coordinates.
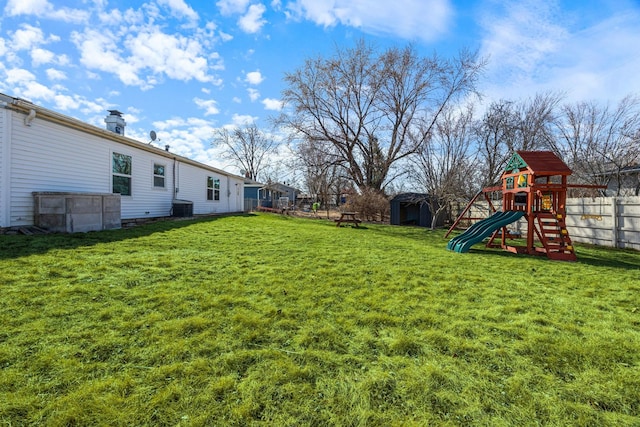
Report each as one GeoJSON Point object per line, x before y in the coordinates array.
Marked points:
{"type": "Point", "coordinates": [251, 192]}
{"type": "Point", "coordinates": [193, 187]}
{"type": "Point", "coordinates": [47, 157]}
{"type": "Point", "coordinates": [51, 157]}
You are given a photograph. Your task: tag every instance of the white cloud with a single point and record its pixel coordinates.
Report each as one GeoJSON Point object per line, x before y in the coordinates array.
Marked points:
{"type": "Point", "coordinates": [225, 37]}
{"type": "Point", "coordinates": [242, 120]}
{"type": "Point", "coordinates": [111, 16]}
{"type": "Point", "coordinates": [254, 77]}
{"type": "Point", "coordinates": [151, 54]}
{"type": "Point", "coordinates": [209, 105]}
{"type": "Point", "coordinates": [25, 7]}
{"type": "Point", "coordinates": [178, 57]}
{"type": "Point", "coordinates": [99, 50]}
{"type": "Point", "coordinates": [55, 75]}
{"type": "Point", "coordinates": [410, 19]}
{"type": "Point", "coordinates": [599, 61]}
{"type": "Point", "coordinates": [65, 102]}
{"type": "Point", "coordinates": [230, 7]}
{"type": "Point", "coordinates": [181, 8]}
{"type": "Point", "coordinates": [19, 76]}
{"type": "Point", "coordinates": [44, 9]}
{"type": "Point", "coordinates": [523, 37]}
{"type": "Point", "coordinates": [254, 95]}
{"type": "Point", "coordinates": [252, 22]}
{"type": "Point", "coordinates": [533, 48]}
{"type": "Point", "coordinates": [27, 38]}
{"type": "Point", "coordinates": [23, 84]}
{"type": "Point", "coordinates": [189, 137]}
{"type": "Point", "coordinates": [41, 56]}
{"type": "Point", "coordinates": [272, 104]}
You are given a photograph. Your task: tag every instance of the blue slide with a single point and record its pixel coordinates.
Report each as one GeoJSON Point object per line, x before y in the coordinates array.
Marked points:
{"type": "Point", "coordinates": [483, 229]}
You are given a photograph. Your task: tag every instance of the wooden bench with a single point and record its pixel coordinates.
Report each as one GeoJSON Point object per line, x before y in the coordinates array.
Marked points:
{"type": "Point", "coordinates": [348, 217]}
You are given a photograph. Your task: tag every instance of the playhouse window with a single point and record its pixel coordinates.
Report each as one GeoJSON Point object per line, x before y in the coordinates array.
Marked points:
{"type": "Point", "coordinates": [121, 168]}
{"type": "Point", "coordinates": [520, 199]}
{"type": "Point", "coordinates": [158, 175]}
{"type": "Point", "coordinates": [213, 188]}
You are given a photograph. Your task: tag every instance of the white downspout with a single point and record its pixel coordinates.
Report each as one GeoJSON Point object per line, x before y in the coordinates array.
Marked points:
{"type": "Point", "coordinates": [30, 117]}
{"type": "Point", "coordinates": [228, 194]}
{"type": "Point", "coordinates": [176, 178]}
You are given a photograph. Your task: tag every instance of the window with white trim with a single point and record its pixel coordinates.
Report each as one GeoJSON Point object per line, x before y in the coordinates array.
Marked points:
{"type": "Point", "coordinates": [158, 175]}
{"type": "Point", "coordinates": [213, 188]}
{"type": "Point", "coordinates": [121, 173]}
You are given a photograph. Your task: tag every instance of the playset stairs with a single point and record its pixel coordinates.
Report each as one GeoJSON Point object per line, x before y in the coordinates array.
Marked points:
{"type": "Point", "coordinates": [554, 236]}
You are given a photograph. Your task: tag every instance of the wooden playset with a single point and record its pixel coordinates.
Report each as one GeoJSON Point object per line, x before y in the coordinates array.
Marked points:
{"type": "Point", "coordinates": [534, 188]}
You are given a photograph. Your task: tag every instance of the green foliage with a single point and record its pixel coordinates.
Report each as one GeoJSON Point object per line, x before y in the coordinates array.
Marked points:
{"type": "Point", "coordinates": [270, 320]}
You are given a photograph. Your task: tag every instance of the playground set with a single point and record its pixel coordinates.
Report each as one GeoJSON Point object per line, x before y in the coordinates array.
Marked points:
{"type": "Point", "coordinates": [534, 187]}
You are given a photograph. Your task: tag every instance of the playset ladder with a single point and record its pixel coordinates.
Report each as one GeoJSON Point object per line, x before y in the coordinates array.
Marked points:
{"type": "Point", "coordinates": [554, 236]}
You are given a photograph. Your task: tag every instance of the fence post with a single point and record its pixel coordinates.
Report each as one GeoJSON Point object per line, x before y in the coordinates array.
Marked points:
{"type": "Point", "coordinates": [614, 221]}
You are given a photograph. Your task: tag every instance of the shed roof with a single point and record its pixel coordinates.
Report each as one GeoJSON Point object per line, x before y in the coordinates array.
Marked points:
{"type": "Point", "coordinates": [411, 198]}
{"type": "Point", "coordinates": [541, 163]}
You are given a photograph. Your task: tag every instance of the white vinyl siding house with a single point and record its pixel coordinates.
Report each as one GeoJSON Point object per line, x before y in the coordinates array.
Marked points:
{"type": "Point", "coordinates": [50, 152]}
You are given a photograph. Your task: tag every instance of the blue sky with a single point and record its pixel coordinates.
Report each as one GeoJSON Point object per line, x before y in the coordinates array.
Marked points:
{"type": "Point", "coordinates": [184, 68]}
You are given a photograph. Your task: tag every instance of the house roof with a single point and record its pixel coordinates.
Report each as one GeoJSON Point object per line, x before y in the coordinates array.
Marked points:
{"type": "Point", "coordinates": [280, 187]}
{"type": "Point", "coordinates": [541, 163]}
{"type": "Point", "coordinates": [631, 169]}
{"type": "Point", "coordinates": [24, 106]}
{"type": "Point", "coordinates": [248, 182]}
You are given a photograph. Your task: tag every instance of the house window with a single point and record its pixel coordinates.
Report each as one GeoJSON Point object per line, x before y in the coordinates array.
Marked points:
{"type": "Point", "coordinates": [213, 188]}
{"type": "Point", "coordinates": [158, 175]}
{"type": "Point", "coordinates": [121, 174]}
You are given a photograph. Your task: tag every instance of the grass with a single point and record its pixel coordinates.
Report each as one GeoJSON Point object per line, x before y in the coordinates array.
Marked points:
{"type": "Point", "coordinates": [271, 320]}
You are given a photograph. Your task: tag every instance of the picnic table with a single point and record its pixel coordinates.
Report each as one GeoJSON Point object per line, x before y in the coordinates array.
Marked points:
{"type": "Point", "coordinates": [348, 217]}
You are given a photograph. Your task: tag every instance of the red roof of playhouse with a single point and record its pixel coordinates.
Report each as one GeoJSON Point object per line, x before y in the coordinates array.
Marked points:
{"type": "Point", "coordinates": [540, 163]}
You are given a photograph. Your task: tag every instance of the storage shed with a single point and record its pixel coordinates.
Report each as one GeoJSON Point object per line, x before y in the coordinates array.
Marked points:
{"type": "Point", "coordinates": [411, 209]}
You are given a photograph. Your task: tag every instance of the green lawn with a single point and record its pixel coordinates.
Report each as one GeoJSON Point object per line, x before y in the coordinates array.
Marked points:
{"type": "Point", "coordinates": [279, 321]}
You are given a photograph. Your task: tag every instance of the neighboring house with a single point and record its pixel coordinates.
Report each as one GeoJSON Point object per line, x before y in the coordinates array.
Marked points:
{"type": "Point", "coordinates": [42, 151]}
{"type": "Point", "coordinates": [270, 193]}
{"type": "Point", "coordinates": [629, 182]}
{"type": "Point", "coordinates": [252, 189]}
{"type": "Point", "coordinates": [251, 194]}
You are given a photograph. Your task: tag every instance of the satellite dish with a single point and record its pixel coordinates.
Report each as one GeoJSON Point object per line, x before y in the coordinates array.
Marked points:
{"type": "Point", "coordinates": [153, 135]}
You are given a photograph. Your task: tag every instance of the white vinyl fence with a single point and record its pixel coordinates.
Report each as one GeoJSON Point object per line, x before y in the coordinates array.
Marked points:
{"type": "Point", "coordinates": [605, 221]}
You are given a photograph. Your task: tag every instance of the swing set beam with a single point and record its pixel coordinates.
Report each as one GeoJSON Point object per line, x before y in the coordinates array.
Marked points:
{"type": "Point", "coordinates": [484, 192]}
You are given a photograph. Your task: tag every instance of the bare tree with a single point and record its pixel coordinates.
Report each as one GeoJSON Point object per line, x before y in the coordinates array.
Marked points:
{"type": "Point", "coordinates": [534, 121]}
{"type": "Point", "coordinates": [443, 165]}
{"type": "Point", "coordinates": [492, 133]}
{"type": "Point", "coordinates": [323, 173]}
{"type": "Point", "coordinates": [374, 109]}
{"type": "Point", "coordinates": [599, 142]}
{"type": "Point", "coordinates": [247, 147]}
{"type": "Point", "coordinates": [508, 126]}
